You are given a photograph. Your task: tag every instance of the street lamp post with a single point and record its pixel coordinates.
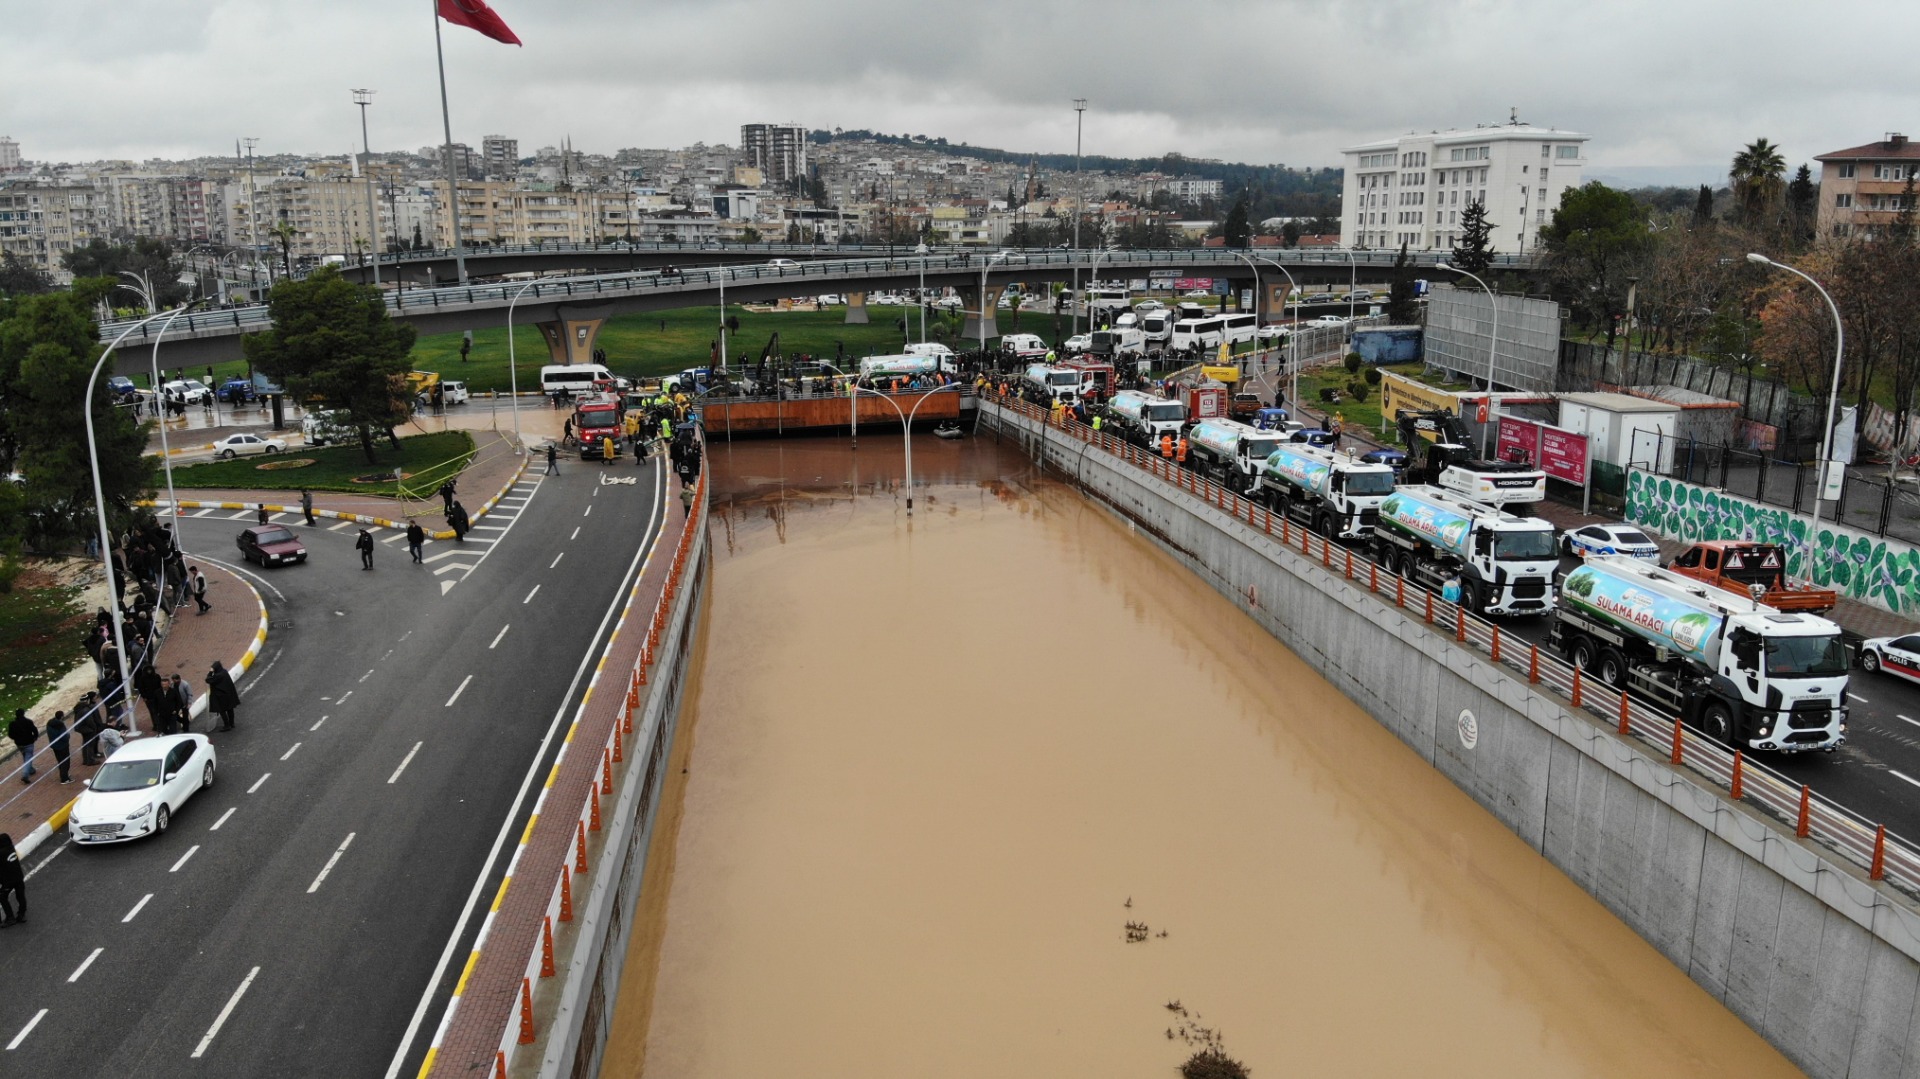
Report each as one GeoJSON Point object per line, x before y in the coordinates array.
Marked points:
{"type": "Point", "coordinates": [906, 427]}
{"type": "Point", "coordinates": [983, 311]}
{"type": "Point", "coordinates": [722, 271]}
{"type": "Point", "coordinates": [1493, 344]}
{"type": "Point", "coordinates": [921, 250]}
{"type": "Point", "coordinates": [513, 367]}
{"type": "Point", "coordinates": [100, 502]}
{"type": "Point", "coordinates": [1293, 337]}
{"type": "Point", "coordinates": [363, 98]}
{"type": "Point", "coordinates": [166, 458]}
{"type": "Point", "coordinates": [1353, 283]}
{"type": "Point", "coordinates": [1833, 398]}
{"type": "Point", "coordinates": [1080, 203]}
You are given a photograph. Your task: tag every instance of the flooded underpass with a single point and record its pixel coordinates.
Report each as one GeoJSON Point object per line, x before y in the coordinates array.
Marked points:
{"type": "Point", "coordinates": [1000, 789]}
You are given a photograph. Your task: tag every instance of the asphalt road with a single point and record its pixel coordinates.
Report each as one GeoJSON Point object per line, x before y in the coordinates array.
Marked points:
{"type": "Point", "coordinates": [293, 918]}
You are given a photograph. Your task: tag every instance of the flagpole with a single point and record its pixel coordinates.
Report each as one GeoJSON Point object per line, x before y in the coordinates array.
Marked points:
{"type": "Point", "coordinates": [446, 122]}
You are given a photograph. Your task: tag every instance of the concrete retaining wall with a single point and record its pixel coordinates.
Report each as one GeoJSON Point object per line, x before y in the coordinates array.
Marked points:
{"type": "Point", "coordinates": [1798, 943]}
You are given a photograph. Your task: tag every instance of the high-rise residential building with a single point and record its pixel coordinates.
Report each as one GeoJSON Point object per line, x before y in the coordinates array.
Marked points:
{"type": "Point", "coordinates": [501, 156]}
{"type": "Point", "coordinates": [1862, 188]}
{"type": "Point", "coordinates": [9, 154]}
{"type": "Point", "coordinates": [39, 224]}
{"type": "Point", "coordinates": [1411, 190]}
{"type": "Point", "coordinates": [465, 164]}
{"type": "Point", "coordinates": [779, 151]}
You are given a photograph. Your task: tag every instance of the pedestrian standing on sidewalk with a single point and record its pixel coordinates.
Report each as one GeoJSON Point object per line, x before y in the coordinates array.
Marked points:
{"type": "Point", "coordinates": [306, 505]}
{"type": "Point", "coordinates": [13, 884]}
{"type": "Point", "coordinates": [153, 690]}
{"type": "Point", "coordinates": [88, 727]}
{"type": "Point", "coordinates": [62, 750]}
{"type": "Point", "coordinates": [180, 697]}
{"type": "Point", "coordinates": [365, 546]}
{"type": "Point", "coordinates": [199, 589]}
{"type": "Point", "coordinates": [416, 537]}
{"type": "Point", "coordinates": [222, 698]}
{"type": "Point", "coordinates": [24, 735]}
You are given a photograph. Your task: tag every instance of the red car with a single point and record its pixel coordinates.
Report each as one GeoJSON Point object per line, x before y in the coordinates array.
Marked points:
{"type": "Point", "coordinates": [271, 545]}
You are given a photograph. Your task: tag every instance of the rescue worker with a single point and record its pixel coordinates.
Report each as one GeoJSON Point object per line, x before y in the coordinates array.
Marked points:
{"type": "Point", "coordinates": [606, 450]}
{"type": "Point", "coordinates": [1166, 445]}
{"type": "Point", "coordinates": [666, 428]}
{"type": "Point", "coordinates": [1180, 450]}
{"type": "Point", "coordinates": [1096, 424]}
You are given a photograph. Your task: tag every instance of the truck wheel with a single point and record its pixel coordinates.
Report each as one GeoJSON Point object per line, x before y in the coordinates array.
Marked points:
{"type": "Point", "coordinates": [1717, 722]}
{"type": "Point", "coordinates": [1613, 669]}
{"type": "Point", "coordinates": [1323, 524]}
{"type": "Point", "coordinates": [1581, 654]}
{"type": "Point", "coordinates": [1470, 597]}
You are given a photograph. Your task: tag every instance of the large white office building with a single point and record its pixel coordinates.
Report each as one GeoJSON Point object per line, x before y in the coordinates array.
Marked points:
{"type": "Point", "coordinates": [1411, 190]}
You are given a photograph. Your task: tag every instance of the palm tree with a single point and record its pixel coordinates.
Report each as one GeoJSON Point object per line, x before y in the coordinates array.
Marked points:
{"type": "Point", "coordinates": [284, 231]}
{"type": "Point", "coordinates": [1758, 177]}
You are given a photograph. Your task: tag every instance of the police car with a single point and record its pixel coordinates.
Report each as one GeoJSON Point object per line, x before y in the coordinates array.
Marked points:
{"type": "Point", "coordinates": [1898, 656]}
{"type": "Point", "coordinates": [1609, 539]}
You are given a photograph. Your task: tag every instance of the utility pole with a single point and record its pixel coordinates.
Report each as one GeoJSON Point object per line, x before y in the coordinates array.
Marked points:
{"type": "Point", "coordinates": [1079, 209]}
{"type": "Point", "coordinates": [253, 218]}
{"type": "Point", "coordinates": [363, 98]}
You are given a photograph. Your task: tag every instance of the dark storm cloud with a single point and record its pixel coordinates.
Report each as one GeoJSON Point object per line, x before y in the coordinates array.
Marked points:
{"type": "Point", "coordinates": [1654, 83]}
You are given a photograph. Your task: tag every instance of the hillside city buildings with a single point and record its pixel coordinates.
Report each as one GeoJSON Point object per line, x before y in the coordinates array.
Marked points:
{"type": "Point", "coordinates": [1410, 190]}
{"type": "Point", "coordinates": [1862, 188]}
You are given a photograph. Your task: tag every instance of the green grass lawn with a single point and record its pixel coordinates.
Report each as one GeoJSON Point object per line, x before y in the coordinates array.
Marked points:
{"type": "Point", "coordinates": [40, 630]}
{"type": "Point", "coordinates": [335, 467]}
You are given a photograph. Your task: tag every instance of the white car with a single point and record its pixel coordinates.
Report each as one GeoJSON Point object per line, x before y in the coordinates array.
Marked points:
{"type": "Point", "coordinates": [1079, 342]}
{"type": "Point", "coordinates": [1196, 292]}
{"type": "Point", "coordinates": [234, 445]}
{"type": "Point", "coordinates": [189, 390]}
{"type": "Point", "coordinates": [783, 264]}
{"type": "Point", "coordinates": [1609, 539]}
{"type": "Point", "coordinates": [1327, 320]}
{"type": "Point", "coordinates": [139, 789]}
{"type": "Point", "coordinates": [454, 393]}
{"type": "Point", "coordinates": [1272, 331]}
{"type": "Point", "coordinates": [1897, 656]}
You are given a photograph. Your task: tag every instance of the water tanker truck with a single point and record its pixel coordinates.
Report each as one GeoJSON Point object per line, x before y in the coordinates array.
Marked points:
{"type": "Point", "coordinates": [1747, 674]}
{"type": "Point", "coordinates": [1230, 451]}
{"type": "Point", "coordinates": [1048, 382]}
{"type": "Point", "coordinates": [1506, 563]}
{"type": "Point", "coordinates": [1142, 418]}
{"type": "Point", "coordinates": [1336, 494]}
{"type": "Point", "coordinates": [884, 368]}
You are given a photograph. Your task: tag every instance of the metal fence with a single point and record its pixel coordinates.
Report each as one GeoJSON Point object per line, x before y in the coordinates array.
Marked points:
{"type": "Point", "coordinates": [1876, 504]}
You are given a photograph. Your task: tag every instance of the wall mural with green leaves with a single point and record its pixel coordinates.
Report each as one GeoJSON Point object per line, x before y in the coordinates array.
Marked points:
{"type": "Point", "coordinates": [1884, 573]}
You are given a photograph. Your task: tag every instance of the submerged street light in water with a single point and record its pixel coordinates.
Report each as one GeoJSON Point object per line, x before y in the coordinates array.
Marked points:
{"type": "Point", "coordinates": [906, 426]}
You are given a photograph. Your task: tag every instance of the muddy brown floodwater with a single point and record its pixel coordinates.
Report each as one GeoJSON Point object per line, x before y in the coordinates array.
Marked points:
{"type": "Point", "coordinates": [935, 767]}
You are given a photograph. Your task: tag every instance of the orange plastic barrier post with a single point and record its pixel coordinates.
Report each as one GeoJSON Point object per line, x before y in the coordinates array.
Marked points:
{"type": "Point", "coordinates": [1373, 582]}
{"type": "Point", "coordinates": [580, 848]}
{"type": "Point", "coordinates": [1806, 812]}
{"type": "Point", "coordinates": [1739, 766]}
{"type": "Point", "coordinates": [1679, 742]}
{"type": "Point", "coordinates": [1326, 554]}
{"type": "Point", "coordinates": [619, 747]}
{"type": "Point", "coordinates": [1399, 591]}
{"type": "Point", "coordinates": [1459, 623]}
{"type": "Point", "coordinates": [526, 1011]}
{"type": "Point", "coordinates": [1626, 714]}
{"type": "Point", "coordinates": [566, 894]}
{"type": "Point", "coordinates": [1533, 664]}
{"type": "Point", "coordinates": [499, 1064]}
{"type": "Point", "coordinates": [606, 771]}
{"type": "Point", "coordinates": [1429, 608]}
{"type": "Point", "coordinates": [546, 947]}
{"type": "Point", "coordinates": [1496, 644]}
{"type": "Point", "coordinates": [593, 810]}
{"type": "Point", "coordinates": [1349, 565]}
{"type": "Point", "coordinates": [1879, 870]}
{"type": "Point", "coordinates": [1268, 516]}
{"type": "Point", "coordinates": [1576, 687]}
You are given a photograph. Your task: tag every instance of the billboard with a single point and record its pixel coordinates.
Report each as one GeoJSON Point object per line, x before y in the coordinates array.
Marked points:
{"type": "Point", "coordinates": [1186, 284]}
{"type": "Point", "coordinates": [1560, 453]}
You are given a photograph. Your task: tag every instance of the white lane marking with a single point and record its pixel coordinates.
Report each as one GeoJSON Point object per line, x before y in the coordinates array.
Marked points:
{"type": "Point", "coordinates": [556, 559]}
{"type": "Point", "coordinates": [84, 964]}
{"type": "Point", "coordinates": [1856, 697]}
{"type": "Point", "coordinates": [502, 633]}
{"type": "Point", "coordinates": [388, 656]}
{"type": "Point", "coordinates": [366, 676]}
{"type": "Point", "coordinates": [338, 527]}
{"type": "Point", "coordinates": [530, 595]}
{"type": "Point", "coordinates": [277, 516]}
{"type": "Point", "coordinates": [576, 533]}
{"type": "Point", "coordinates": [331, 862]}
{"type": "Point", "coordinates": [291, 752]}
{"type": "Point", "coordinates": [149, 895]}
{"type": "Point", "coordinates": [589, 510]}
{"type": "Point", "coordinates": [405, 635]}
{"type": "Point", "coordinates": [184, 857]}
{"type": "Point", "coordinates": [316, 724]}
{"type": "Point", "coordinates": [653, 531]}
{"type": "Point", "coordinates": [455, 566]}
{"type": "Point", "coordinates": [26, 1030]}
{"type": "Point", "coordinates": [395, 538]}
{"type": "Point", "coordinates": [250, 575]}
{"type": "Point", "coordinates": [491, 528]}
{"type": "Point", "coordinates": [240, 516]}
{"type": "Point", "coordinates": [441, 555]}
{"type": "Point", "coordinates": [1905, 776]}
{"type": "Point", "coordinates": [344, 696]}
{"type": "Point", "coordinates": [257, 782]}
{"type": "Point", "coordinates": [1909, 719]}
{"type": "Point", "coordinates": [457, 692]}
{"type": "Point", "coordinates": [43, 862]}
{"type": "Point", "coordinates": [223, 818]}
{"type": "Point", "coordinates": [404, 761]}
{"type": "Point", "coordinates": [202, 513]}
{"type": "Point", "coordinates": [221, 1019]}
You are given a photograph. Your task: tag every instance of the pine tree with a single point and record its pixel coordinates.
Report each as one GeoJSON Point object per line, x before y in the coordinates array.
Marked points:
{"type": "Point", "coordinates": [1703, 206]}
{"type": "Point", "coordinates": [1474, 253]}
{"type": "Point", "coordinates": [1237, 231]}
{"type": "Point", "coordinates": [1401, 308]}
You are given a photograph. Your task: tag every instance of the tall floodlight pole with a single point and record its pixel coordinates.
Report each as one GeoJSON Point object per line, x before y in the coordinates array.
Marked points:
{"type": "Point", "coordinates": [363, 98]}
{"type": "Point", "coordinates": [253, 219]}
{"type": "Point", "coordinates": [1493, 345]}
{"type": "Point", "coordinates": [1833, 398]}
{"type": "Point", "coordinates": [1080, 207]}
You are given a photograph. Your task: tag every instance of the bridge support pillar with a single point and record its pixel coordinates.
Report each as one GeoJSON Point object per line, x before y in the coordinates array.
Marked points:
{"type": "Point", "coordinates": [976, 311]}
{"type": "Point", "coordinates": [572, 332]}
{"type": "Point", "coordinates": [856, 309]}
{"type": "Point", "coordinates": [1271, 303]}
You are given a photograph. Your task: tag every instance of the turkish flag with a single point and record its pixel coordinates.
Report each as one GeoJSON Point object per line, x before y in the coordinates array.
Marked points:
{"type": "Point", "coordinates": [476, 15]}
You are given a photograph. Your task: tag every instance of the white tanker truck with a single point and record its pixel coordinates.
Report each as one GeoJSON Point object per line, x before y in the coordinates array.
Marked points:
{"type": "Point", "coordinates": [1747, 674]}
{"type": "Point", "coordinates": [1336, 494]}
{"type": "Point", "coordinates": [1231, 451]}
{"type": "Point", "coordinates": [1142, 418]}
{"type": "Point", "coordinates": [1052, 383]}
{"type": "Point", "coordinates": [1506, 563]}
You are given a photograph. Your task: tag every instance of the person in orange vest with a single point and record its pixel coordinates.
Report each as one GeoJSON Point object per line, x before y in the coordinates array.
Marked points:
{"type": "Point", "coordinates": [1166, 446]}
{"type": "Point", "coordinates": [1180, 450]}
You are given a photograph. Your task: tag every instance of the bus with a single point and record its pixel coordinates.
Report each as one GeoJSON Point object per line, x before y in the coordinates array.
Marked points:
{"type": "Point", "coordinates": [1208, 332]}
{"type": "Point", "coordinates": [1106, 300]}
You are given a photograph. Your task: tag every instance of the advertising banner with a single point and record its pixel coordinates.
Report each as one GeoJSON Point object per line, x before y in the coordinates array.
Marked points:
{"type": "Point", "coordinates": [1560, 453]}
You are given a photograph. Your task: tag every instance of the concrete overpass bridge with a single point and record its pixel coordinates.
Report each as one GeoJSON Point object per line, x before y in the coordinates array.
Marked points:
{"type": "Point", "coordinates": [570, 310]}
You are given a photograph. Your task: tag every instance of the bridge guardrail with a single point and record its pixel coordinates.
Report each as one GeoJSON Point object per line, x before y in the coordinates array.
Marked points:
{"type": "Point", "coordinates": [1885, 855]}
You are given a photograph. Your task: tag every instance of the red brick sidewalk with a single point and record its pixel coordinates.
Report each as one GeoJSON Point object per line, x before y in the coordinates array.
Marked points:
{"type": "Point", "coordinates": [191, 645]}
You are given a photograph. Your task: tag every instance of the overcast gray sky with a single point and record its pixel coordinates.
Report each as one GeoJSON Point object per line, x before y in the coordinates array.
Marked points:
{"type": "Point", "coordinates": [1661, 83]}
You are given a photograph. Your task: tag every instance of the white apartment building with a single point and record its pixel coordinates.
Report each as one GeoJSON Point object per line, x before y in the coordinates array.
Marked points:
{"type": "Point", "coordinates": [9, 154]}
{"type": "Point", "coordinates": [779, 151]}
{"type": "Point", "coordinates": [1411, 190]}
{"type": "Point", "coordinates": [39, 224]}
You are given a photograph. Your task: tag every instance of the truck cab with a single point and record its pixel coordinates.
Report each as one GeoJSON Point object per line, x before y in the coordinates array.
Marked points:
{"type": "Point", "coordinates": [1052, 382]}
{"type": "Point", "coordinates": [1231, 451]}
{"type": "Point", "coordinates": [1741, 568]}
{"type": "Point", "coordinates": [1336, 494]}
{"type": "Point", "coordinates": [1142, 417]}
{"type": "Point", "coordinates": [1506, 563]}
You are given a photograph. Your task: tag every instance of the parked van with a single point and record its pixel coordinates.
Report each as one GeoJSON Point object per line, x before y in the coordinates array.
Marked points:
{"type": "Point", "coordinates": [1026, 346]}
{"type": "Point", "coordinates": [325, 426]}
{"type": "Point", "coordinates": [453, 393]}
{"type": "Point", "coordinates": [576, 377]}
